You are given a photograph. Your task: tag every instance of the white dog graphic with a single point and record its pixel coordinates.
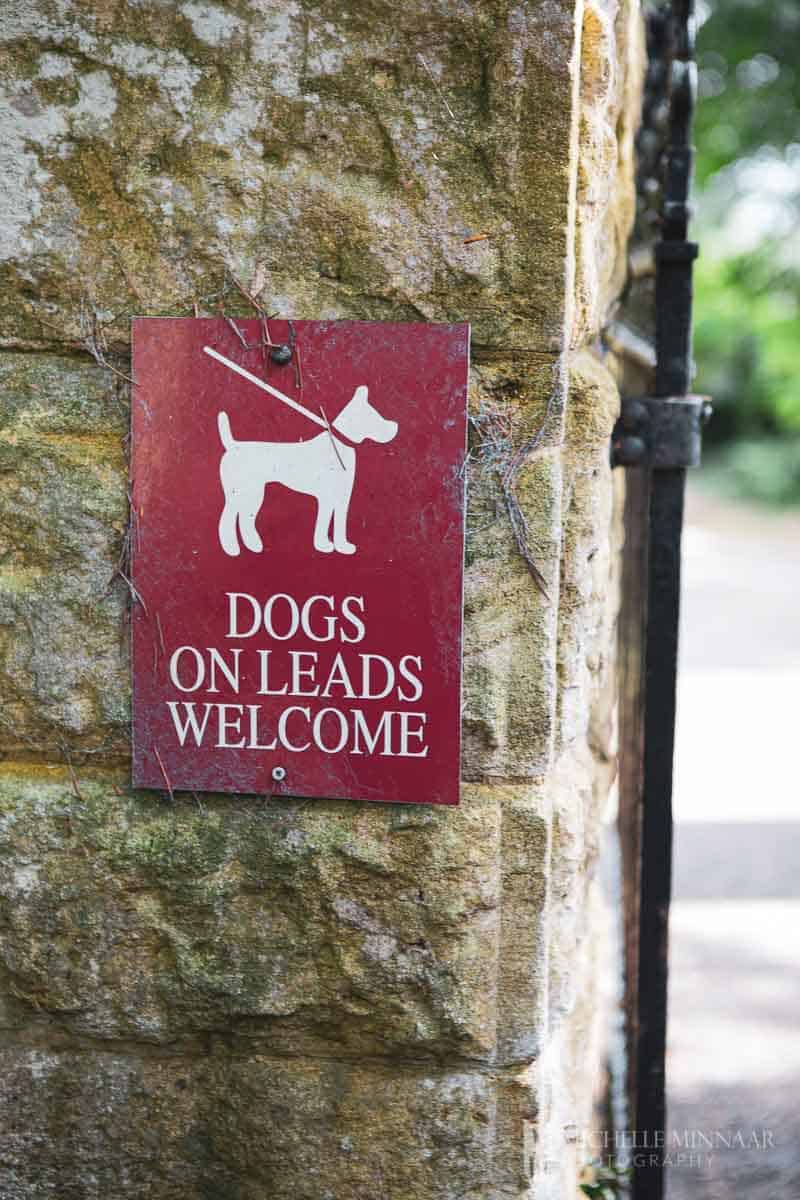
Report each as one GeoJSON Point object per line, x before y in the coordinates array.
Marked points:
{"type": "Point", "coordinates": [323, 467]}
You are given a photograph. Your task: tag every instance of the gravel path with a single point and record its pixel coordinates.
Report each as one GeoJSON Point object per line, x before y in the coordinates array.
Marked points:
{"type": "Point", "coordinates": [734, 1037]}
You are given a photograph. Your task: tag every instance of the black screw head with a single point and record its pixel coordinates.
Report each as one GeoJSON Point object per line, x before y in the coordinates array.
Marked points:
{"type": "Point", "coordinates": [281, 355]}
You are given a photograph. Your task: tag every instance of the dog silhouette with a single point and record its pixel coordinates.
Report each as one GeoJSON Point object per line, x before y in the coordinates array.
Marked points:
{"type": "Point", "coordinates": [323, 467]}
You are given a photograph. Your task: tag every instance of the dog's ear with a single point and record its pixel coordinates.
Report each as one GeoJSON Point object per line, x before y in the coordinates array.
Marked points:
{"type": "Point", "coordinates": [361, 394]}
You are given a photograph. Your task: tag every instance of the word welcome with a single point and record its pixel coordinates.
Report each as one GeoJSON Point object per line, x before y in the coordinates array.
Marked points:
{"type": "Point", "coordinates": [336, 675]}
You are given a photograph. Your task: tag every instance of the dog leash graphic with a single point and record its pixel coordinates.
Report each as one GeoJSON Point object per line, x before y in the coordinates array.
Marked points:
{"type": "Point", "coordinates": [265, 387]}
{"type": "Point", "coordinates": [323, 421]}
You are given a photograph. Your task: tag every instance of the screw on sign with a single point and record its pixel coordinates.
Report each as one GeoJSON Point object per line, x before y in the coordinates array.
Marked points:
{"type": "Point", "coordinates": [298, 551]}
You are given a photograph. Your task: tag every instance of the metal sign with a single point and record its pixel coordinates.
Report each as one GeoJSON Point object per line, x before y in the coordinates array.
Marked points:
{"type": "Point", "coordinates": [297, 555]}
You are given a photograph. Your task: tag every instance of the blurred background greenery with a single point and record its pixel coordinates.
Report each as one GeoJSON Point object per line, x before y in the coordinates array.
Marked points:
{"type": "Point", "coordinates": [747, 205]}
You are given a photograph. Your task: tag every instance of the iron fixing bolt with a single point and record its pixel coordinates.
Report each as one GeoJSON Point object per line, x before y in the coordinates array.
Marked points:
{"type": "Point", "coordinates": [631, 451]}
{"type": "Point", "coordinates": [279, 774]}
{"type": "Point", "coordinates": [633, 416]}
{"type": "Point", "coordinates": [281, 355]}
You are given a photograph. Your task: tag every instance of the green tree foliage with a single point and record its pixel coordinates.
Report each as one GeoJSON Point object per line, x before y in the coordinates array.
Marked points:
{"type": "Point", "coordinates": [747, 336]}
{"type": "Point", "coordinates": [747, 344]}
{"type": "Point", "coordinates": [749, 80]}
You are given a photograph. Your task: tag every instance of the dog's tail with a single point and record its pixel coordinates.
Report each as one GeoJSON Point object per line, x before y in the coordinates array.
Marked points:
{"type": "Point", "coordinates": [224, 426]}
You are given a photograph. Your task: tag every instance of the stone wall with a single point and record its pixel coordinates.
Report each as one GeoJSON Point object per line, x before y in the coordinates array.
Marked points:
{"type": "Point", "coordinates": [231, 997]}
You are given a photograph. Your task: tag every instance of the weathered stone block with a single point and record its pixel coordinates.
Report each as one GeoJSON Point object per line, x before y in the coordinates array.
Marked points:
{"type": "Point", "coordinates": [612, 57]}
{"type": "Point", "coordinates": [63, 650]}
{"type": "Point", "coordinates": [79, 1125]}
{"type": "Point", "coordinates": [509, 625]}
{"type": "Point", "coordinates": [369, 929]}
{"type": "Point", "coordinates": [99, 1124]}
{"type": "Point", "coordinates": [589, 562]}
{"type": "Point", "coordinates": [150, 145]}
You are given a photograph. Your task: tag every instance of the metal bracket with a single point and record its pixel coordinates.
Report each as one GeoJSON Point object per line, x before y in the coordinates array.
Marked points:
{"type": "Point", "coordinates": [660, 432]}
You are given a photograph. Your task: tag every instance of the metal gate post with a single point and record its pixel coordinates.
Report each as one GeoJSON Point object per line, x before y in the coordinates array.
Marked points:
{"type": "Point", "coordinates": [662, 435]}
{"type": "Point", "coordinates": [674, 257]}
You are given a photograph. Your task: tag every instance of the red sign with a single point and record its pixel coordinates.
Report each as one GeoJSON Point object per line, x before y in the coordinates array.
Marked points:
{"type": "Point", "coordinates": [297, 544]}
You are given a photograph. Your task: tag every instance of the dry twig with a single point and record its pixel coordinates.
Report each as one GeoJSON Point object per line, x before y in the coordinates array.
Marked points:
{"type": "Point", "coordinates": [333, 439]}
{"type": "Point", "coordinates": [497, 454]}
{"type": "Point", "coordinates": [94, 340]}
{"type": "Point", "coordinates": [164, 773]}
